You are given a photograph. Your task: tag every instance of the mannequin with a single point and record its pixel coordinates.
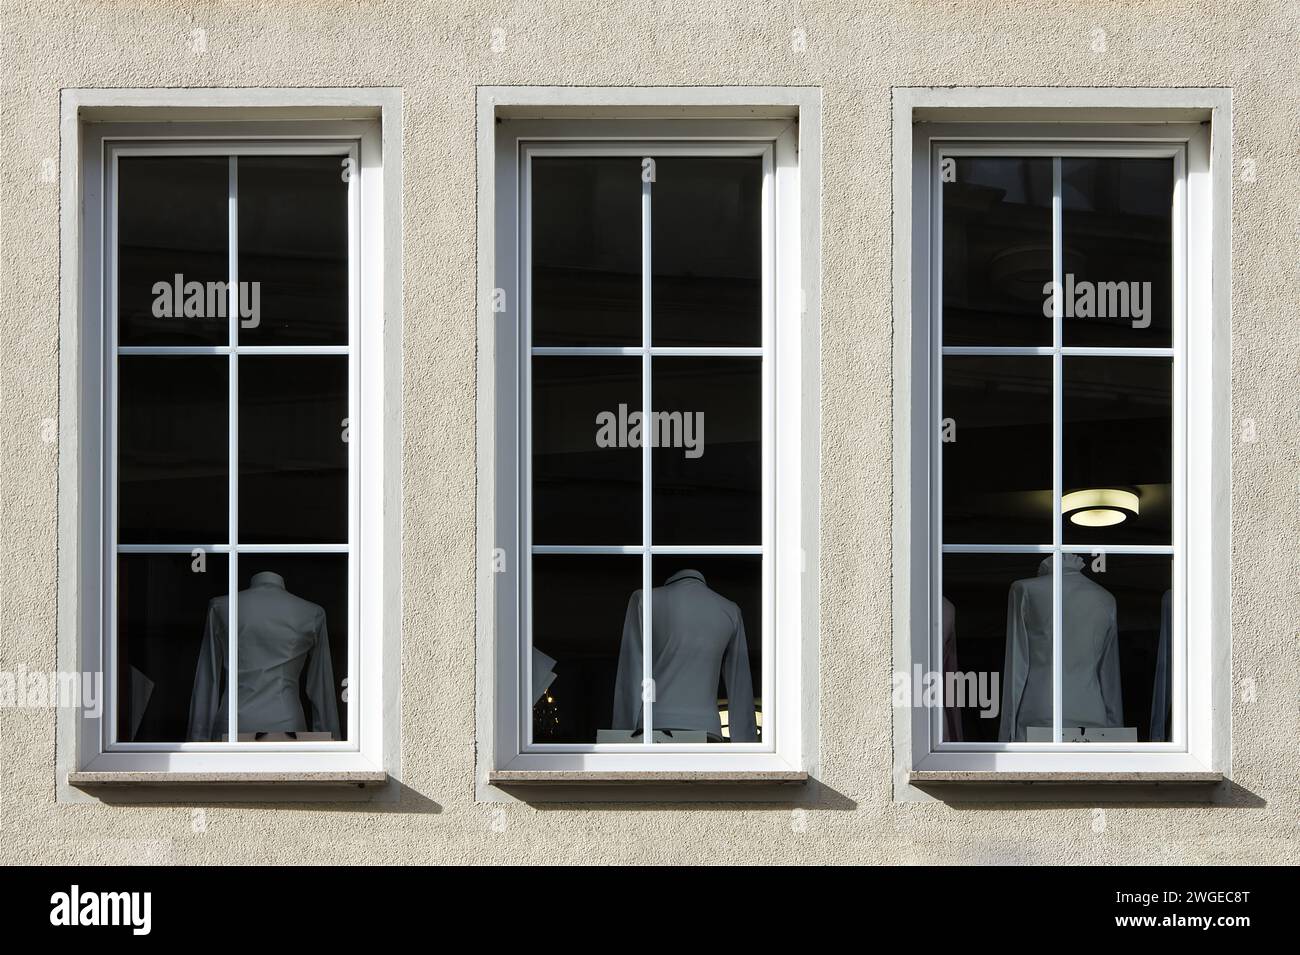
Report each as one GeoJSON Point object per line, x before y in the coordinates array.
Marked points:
{"type": "Point", "coordinates": [1090, 678]}
{"type": "Point", "coordinates": [282, 641]}
{"type": "Point", "coordinates": [698, 635]}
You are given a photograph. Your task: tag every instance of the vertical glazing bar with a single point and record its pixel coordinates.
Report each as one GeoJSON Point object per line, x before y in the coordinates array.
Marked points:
{"type": "Point", "coordinates": [1176, 728]}
{"type": "Point", "coordinates": [525, 360]}
{"type": "Point", "coordinates": [935, 633]}
{"type": "Point", "coordinates": [355, 434]}
{"type": "Point", "coordinates": [1058, 400]}
{"type": "Point", "coordinates": [108, 598]}
{"type": "Point", "coordinates": [232, 470]}
{"type": "Point", "coordinates": [647, 582]}
{"type": "Point", "coordinates": [936, 448]}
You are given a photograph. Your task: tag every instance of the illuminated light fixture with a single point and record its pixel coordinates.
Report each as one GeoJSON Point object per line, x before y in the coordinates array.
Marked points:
{"type": "Point", "coordinates": [1099, 506]}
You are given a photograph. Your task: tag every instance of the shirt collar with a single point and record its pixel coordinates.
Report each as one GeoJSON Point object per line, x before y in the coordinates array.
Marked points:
{"type": "Point", "coordinates": [1070, 564]}
{"type": "Point", "coordinates": [683, 575]}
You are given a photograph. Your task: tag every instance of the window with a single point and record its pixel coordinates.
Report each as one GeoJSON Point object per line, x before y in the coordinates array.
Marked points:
{"type": "Point", "coordinates": [646, 397]}
{"type": "Point", "coordinates": [234, 384]}
{"type": "Point", "coordinates": [1061, 308]}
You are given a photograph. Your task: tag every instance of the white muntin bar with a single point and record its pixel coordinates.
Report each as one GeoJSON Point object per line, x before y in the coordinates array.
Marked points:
{"type": "Point", "coordinates": [1058, 278]}
{"type": "Point", "coordinates": [723, 550]}
{"type": "Point", "coordinates": [1069, 351]}
{"type": "Point", "coordinates": [524, 723]}
{"type": "Point", "coordinates": [647, 560]}
{"type": "Point", "coordinates": [109, 596]}
{"type": "Point", "coordinates": [227, 548]}
{"type": "Point", "coordinates": [227, 349]}
{"type": "Point", "coordinates": [636, 351]}
{"type": "Point", "coordinates": [232, 467]}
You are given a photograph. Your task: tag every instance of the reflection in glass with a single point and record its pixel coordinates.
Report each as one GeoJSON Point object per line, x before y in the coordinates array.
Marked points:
{"type": "Point", "coordinates": [586, 451]}
{"type": "Point", "coordinates": [707, 467]}
{"type": "Point", "coordinates": [1118, 433]}
{"type": "Point", "coordinates": [708, 650]}
{"type": "Point", "coordinates": [997, 251]}
{"type": "Point", "coordinates": [586, 250]}
{"type": "Point", "coordinates": [293, 450]}
{"type": "Point", "coordinates": [1117, 229]}
{"type": "Point", "coordinates": [162, 603]}
{"type": "Point", "coordinates": [706, 224]}
{"type": "Point", "coordinates": [172, 220]}
{"type": "Point", "coordinates": [1116, 647]}
{"type": "Point", "coordinates": [988, 690]}
{"type": "Point", "coordinates": [997, 450]}
{"type": "Point", "coordinates": [293, 242]}
{"type": "Point", "coordinates": [172, 449]}
{"type": "Point", "coordinates": [580, 608]}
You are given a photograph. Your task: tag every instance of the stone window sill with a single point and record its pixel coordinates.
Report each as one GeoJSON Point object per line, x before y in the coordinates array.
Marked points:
{"type": "Point", "coordinates": [90, 780]}
{"type": "Point", "coordinates": [538, 777]}
{"type": "Point", "coordinates": [931, 777]}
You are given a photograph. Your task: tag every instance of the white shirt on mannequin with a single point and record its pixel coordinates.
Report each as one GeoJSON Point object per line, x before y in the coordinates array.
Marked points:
{"type": "Point", "coordinates": [1090, 678]}
{"type": "Point", "coordinates": [283, 644]}
{"type": "Point", "coordinates": [698, 636]}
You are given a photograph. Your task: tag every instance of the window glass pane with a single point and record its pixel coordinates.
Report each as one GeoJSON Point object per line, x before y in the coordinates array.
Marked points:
{"type": "Point", "coordinates": [997, 644]}
{"type": "Point", "coordinates": [996, 442]}
{"type": "Point", "coordinates": [293, 451]}
{"type": "Point", "coordinates": [706, 251]}
{"type": "Point", "coordinates": [586, 451]}
{"type": "Point", "coordinates": [580, 618]}
{"type": "Point", "coordinates": [707, 467]}
{"type": "Point", "coordinates": [997, 250]}
{"type": "Point", "coordinates": [293, 250]}
{"type": "Point", "coordinates": [586, 250]}
{"type": "Point", "coordinates": [1117, 224]}
{"type": "Point", "coordinates": [162, 607]}
{"type": "Point", "coordinates": [293, 647]}
{"type": "Point", "coordinates": [1118, 441]}
{"type": "Point", "coordinates": [1117, 660]}
{"type": "Point", "coordinates": [172, 449]}
{"type": "Point", "coordinates": [173, 237]}
{"type": "Point", "coordinates": [708, 649]}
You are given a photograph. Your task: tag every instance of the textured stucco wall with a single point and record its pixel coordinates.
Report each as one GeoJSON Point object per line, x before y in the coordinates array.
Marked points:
{"type": "Point", "coordinates": [437, 53]}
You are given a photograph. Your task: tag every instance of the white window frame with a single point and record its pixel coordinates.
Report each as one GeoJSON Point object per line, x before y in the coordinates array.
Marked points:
{"type": "Point", "coordinates": [786, 433]}
{"type": "Point", "coordinates": [1195, 684]}
{"type": "Point", "coordinates": [366, 751]}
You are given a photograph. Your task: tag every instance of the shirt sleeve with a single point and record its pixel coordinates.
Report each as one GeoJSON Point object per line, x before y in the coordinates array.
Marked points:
{"type": "Point", "coordinates": [320, 684]}
{"type": "Point", "coordinates": [1108, 674]}
{"type": "Point", "coordinates": [1015, 667]}
{"type": "Point", "coordinates": [205, 701]}
{"type": "Point", "coordinates": [740, 687]}
{"type": "Point", "coordinates": [627, 684]}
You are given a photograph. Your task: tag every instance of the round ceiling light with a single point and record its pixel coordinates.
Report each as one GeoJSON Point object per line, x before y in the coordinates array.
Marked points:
{"type": "Point", "coordinates": [1099, 506]}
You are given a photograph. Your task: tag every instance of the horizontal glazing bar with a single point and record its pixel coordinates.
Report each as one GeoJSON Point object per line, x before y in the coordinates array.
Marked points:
{"type": "Point", "coordinates": [1152, 549]}
{"type": "Point", "coordinates": [235, 349]}
{"type": "Point", "coordinates": [635, 351]}
{"type": "Point", "coordinates": [1069, 351]}
{"type": "Point", "coordinates": [679, 549]}
{"type": "Point", "coordinates": [237, 548]}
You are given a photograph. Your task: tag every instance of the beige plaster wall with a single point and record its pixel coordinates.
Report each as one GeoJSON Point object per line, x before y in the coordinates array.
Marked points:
{"type": "Point", "coordinates": [437, 53]}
